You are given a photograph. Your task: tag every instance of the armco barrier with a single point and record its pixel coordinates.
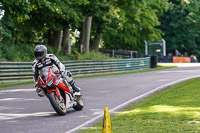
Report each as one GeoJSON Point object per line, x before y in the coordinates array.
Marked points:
{"type": "Point", "coordinates": [22, 71]}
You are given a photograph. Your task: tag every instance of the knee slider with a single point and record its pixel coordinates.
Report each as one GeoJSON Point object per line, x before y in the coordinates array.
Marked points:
{"type": "Point", "coordinates": [69, 74]}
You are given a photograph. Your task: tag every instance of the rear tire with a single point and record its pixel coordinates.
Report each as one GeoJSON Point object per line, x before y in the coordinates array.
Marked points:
{"type": "Point", "coordinates": [80, 103]}
{"type": "Point", "coordinates": [56, 104]}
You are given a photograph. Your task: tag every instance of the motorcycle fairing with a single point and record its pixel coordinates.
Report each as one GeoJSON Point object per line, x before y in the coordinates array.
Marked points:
{"type": "Point", "coordinates": [49, 82]}
{"type": "Point", "coordinates": [69, 102]}
{"type": "Point", "coordinates": [55, 90]}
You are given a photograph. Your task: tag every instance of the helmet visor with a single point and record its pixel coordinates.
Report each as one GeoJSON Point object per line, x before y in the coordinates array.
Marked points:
{"type": "Point", "coordinates": [39, 54]}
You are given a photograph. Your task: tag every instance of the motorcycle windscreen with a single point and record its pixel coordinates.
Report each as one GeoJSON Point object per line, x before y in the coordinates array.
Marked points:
{"type": "Point", "coordinates": [44, 73]}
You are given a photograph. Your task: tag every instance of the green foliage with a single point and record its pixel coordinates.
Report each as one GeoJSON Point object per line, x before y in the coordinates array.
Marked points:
{"type": "Point", "coordinates": [94, 56]}
{"type": "Point", "coordinates": [5, 33]}
{"type": "Point", "coordinates": [18, 8]}
{"type": "Point", "coordinates": [12, 52]}
{"type": "Point", "coordinates": [181, 26]}
{"type": "Point", "coordinates": [22, 52]}
{"type": "Point", "coordinates": [122, 24]}
{"type": "Point", "coordinates": [33, 20]}
{"type": "Point", "coordinates": [139, 20]}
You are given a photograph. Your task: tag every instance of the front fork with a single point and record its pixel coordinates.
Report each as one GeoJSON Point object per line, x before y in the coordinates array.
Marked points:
{"type": "Point", "coordinates": [57, 91]}
{"type": "Point", "coordinates": [70, 100]}
{"type": "Point", "coordinates": [59, 99]}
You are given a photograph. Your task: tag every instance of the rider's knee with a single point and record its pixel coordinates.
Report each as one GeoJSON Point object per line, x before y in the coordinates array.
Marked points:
{"type": "Point", "coordinates": [68, 76]}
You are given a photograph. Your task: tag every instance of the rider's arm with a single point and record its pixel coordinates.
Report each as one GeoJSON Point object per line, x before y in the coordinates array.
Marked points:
{"type": "Point", "coordinates": [35, 72]}
{"type": "Point", "coordinates": [58, 64]}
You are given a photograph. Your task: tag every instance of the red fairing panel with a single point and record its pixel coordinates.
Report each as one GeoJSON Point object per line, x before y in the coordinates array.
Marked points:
{"type": "Point", "coordinates": [63, 86]}
{"type": "Point", "coordinates": [57, 93]}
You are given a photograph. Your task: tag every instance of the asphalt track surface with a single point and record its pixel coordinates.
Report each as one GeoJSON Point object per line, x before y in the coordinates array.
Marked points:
{"type": "Point", "coordinates": [22, 111]}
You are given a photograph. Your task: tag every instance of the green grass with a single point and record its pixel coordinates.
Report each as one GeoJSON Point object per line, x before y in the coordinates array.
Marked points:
{"type": "Point", "coordinates": [173, 110]}
{"type": "Point", "coordinates": [95, 56]}
{"type": "Point", "coordinates": [15, 83]}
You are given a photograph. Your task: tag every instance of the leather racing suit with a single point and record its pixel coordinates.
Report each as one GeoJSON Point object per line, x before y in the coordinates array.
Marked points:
{"type": "Point", "coordinates": [57, 66]}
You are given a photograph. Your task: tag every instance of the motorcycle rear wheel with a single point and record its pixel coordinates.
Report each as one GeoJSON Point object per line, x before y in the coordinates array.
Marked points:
{"type": "Point", "coordinates": [80, 104]}
{"type": "Point", "coordinates": [57, 105]}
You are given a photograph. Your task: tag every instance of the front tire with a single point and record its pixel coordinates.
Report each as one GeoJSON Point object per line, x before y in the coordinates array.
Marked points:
{"type": "Point", "coordinates": [58, 105]}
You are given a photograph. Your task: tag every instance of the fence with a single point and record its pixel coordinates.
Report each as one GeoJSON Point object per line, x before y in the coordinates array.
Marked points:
{"type": "Point", "coordinates": [21, 71]}
{"type": "Point", "coordinates": [119, 53]}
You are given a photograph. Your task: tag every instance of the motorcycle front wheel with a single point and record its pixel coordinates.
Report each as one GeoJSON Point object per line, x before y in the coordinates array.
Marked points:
{"type": "Point", "coordinates": [57, 104]}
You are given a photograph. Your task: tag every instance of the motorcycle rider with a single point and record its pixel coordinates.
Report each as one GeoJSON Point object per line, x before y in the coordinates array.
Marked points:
{"type": "Point", "coordinates": [42, 59]}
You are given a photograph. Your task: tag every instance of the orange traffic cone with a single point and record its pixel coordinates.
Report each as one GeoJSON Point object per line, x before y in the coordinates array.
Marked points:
{"type": "Point", "coordinates": [106, 122]}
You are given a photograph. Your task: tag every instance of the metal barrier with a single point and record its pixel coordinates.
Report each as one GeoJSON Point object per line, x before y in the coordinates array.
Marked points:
{"type": "Point", "coordinates": [125, 54]}
{"type": "Point", "coordinates": [22, 71]}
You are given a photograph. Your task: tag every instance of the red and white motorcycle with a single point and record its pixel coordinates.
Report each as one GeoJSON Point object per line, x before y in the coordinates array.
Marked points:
{"type": "Point", "coordinates": [59, 92]}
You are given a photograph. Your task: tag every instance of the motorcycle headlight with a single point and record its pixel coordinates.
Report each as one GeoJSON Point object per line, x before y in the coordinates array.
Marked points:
{"type": "Point", "coordinates": [50, 82]}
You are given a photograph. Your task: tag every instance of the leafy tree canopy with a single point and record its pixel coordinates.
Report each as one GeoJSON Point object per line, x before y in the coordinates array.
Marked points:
{"type": "Point", "coordinates": [181, 26]}
{"type": "Point", "coordinates": [139, 22]}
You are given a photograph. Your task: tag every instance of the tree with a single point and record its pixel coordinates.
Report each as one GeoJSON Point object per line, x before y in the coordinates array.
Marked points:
{"type": "Point", "coordinates": [43, 21]}
{"type": "Point", "coordinates": [102, 22]}
{"type": "Point", "coordinates": [58, 17]}
{"type": "Point", "coordinates": [94, 10]}
{"type": "Point", "coordinates": [66, 41]}
{"type": "Point", "coordinates": [118, 24]}
{"type": "Point", "coordinates": [181, 26]}
{"type": "Point", "coordinates": [139, 21]}
{"type": "Point", "coordinates": [15, 12]}
{"type": "Point", "coordinates": [85, 35]}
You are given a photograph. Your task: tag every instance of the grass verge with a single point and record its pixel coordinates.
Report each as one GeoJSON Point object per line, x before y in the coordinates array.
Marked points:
{"type": "Point", "coordinates": [172, 110]}
{"type": "Point", "coordinates": [15, 83]}
{"type": "Point", "coordinates": [89, 76]}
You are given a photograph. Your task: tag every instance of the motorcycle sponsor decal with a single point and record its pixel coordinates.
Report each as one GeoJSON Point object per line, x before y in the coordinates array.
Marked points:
{"type": "Point", "coordinates": [48, 61]}
{"type": "Point", "coordinates": [40, 65]}
{"type": "Point", "coordinates": [58, 81]}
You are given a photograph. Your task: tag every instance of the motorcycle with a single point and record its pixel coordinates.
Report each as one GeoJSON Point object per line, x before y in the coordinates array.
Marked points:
{"type": "Point", "coordinates": [59, 92]}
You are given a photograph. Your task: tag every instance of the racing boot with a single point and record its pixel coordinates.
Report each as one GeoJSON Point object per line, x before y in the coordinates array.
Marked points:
{"type": "Point", "coordinates": [74, 86]}
{"type": "Point", "coordinates": [68, 85]}
{"type": "Point", "coordinates": [40, 92]}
